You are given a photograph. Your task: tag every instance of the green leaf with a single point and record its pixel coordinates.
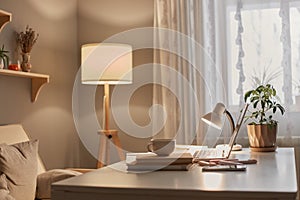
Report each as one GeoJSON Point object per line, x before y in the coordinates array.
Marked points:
{"type": "Point", "coordinates": [247, 95]}
{"type": "Point", "coordinates": [252, 99]}
{"type": "Point", "coordinates": [274, 110]}
{"type": "Point", "coordinates": [274, 92]}
{"type": "Point", "coordinates": [255, 104]}
{"type": "Point", "coordinates": [262, 103]}
{"type": "Point", "coordinates": [282, 110]}
{"type": "Point", "coordinates": [269, 104]}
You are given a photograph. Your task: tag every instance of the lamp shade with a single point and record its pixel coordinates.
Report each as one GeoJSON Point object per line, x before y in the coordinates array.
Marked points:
{"type": "Point", "coordinates": [215, 117]}
{"type": "Point", "coordinates": [106, 63]}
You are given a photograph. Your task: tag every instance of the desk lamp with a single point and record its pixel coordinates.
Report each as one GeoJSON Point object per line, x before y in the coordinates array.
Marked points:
{"type": "Point", "coordinates": [106, 64]}
{"type": "Point", "coordinates": [214, 119]}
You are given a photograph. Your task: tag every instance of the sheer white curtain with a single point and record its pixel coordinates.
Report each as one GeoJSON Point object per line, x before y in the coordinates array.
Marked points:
{"type": "Point", "coordinates": [179, 47]}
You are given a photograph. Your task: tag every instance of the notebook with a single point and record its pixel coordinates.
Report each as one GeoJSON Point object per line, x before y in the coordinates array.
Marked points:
{"type": "Point", "coordinates": [222, 153]}
{"type": "Point", "coordinates": [174, 158]}
{"type": "Point", "coordinates": [153, 162]}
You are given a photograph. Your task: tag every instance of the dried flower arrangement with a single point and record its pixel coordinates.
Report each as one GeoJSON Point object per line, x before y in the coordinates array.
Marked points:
{"type": "Point", "coordinates": [27, 39]}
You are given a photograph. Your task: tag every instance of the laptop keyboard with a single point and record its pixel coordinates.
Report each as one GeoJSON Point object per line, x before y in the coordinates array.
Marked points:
{"type": "Point", "coordinates": [209, 153]}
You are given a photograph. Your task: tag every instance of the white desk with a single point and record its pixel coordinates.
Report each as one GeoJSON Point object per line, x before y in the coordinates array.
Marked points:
{"type": "Point", "coordinates": [273, 177]}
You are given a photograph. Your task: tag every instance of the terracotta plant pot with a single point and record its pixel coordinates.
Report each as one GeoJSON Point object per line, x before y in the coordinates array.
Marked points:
{"type": "Point", "coordinates": [262, 135]}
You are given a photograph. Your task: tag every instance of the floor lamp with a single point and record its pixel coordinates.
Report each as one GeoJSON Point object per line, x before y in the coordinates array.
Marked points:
{"type": "Point", "coordinates": [106, 64]}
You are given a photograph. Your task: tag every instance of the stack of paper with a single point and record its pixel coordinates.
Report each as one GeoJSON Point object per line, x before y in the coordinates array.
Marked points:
{"type": "Point", "coordinates": [153, 162]}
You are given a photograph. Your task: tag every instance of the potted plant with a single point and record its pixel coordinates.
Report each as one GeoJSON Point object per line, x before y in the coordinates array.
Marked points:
{"type": "Point", "coordinates": [262, 130]}
{"type": "Point", "coordinates": [4, 59]}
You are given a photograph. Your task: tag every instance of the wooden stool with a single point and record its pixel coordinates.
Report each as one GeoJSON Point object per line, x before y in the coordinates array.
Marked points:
{"type": "Point", "coordinates": [105, 136]}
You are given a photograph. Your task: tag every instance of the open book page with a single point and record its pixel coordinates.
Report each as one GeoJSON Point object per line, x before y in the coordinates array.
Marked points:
{"type": "Point", "coordinates": [182, 155]}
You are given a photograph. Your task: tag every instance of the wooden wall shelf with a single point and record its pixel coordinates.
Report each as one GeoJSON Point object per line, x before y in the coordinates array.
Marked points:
{"type": "Point", "coordinates": [5, 17]}
{"type": "Point", "coordinates": [37, 80]}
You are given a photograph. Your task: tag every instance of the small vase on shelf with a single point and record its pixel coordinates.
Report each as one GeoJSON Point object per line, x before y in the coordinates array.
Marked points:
{"type": "Point", "coordinates": [26, 65]}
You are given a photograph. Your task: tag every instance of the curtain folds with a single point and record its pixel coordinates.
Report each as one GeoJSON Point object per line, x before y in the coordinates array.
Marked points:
{"type": "Point", "coordinates": [174, 50]}
{"type": "Point", "coordinates": [181, 22]}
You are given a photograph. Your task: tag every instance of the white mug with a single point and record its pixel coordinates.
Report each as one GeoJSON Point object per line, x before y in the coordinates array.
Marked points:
{"type": "Point", "coordinates": [161, 147]}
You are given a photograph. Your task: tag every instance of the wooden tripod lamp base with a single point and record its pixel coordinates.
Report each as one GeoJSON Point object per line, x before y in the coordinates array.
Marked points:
{"type": "Point", "coordinates": [103, 156]}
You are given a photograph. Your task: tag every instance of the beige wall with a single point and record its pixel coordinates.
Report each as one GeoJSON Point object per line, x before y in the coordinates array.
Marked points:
{"type": "Point", "coordinates": [50, 118]}
{"type": "Point", "coordinates": [63, 26]}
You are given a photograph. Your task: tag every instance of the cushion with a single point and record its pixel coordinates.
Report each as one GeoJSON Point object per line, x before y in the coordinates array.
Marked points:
{"type": "Point", "coordinates": [14, 133]}
{"type": "Point", "coordinates": [45, 180]}
{"type": "Point", "coordinates": [4, 192]}
{"type": "Point", "coordinates": [19, 164]}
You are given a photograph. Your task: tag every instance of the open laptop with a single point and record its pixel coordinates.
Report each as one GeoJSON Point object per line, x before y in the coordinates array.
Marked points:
{"type": "Point", "coordinates": [222, 153]}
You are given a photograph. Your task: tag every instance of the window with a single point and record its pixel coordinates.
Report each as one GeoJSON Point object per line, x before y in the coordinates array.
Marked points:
{"type": "Point", "coordinates": [263, 49]}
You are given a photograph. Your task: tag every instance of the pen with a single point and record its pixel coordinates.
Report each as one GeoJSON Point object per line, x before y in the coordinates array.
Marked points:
{"type": "Point", "coordinates": [205, 163]}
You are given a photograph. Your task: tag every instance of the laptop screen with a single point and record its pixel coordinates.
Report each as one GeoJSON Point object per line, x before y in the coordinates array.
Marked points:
{"type": "Point", "coordinates": [237, 127]}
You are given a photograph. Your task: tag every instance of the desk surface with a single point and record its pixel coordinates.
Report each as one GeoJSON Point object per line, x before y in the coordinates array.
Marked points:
{"type": "Point", "coordinates": [274, 176]}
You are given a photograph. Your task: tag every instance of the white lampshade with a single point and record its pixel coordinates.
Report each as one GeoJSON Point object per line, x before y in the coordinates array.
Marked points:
{"type": "Point", "coordinates": [215, 117]}
{"type": "Point", "coordinates": [103, 63]}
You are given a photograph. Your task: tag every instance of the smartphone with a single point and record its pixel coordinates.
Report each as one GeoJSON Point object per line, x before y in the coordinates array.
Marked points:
{"type": "Point", "coordinates": [224, 168]}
